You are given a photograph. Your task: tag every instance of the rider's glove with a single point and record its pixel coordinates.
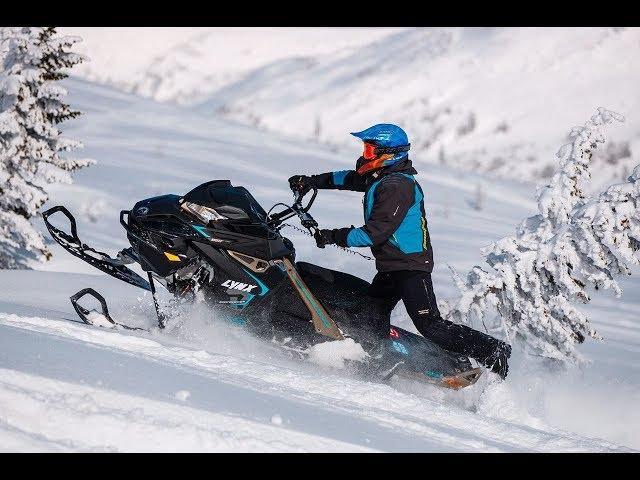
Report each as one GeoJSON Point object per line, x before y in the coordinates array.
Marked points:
{"type": "Point", "coordinates": [340, 235]}
{"type": "Point", "coordinates": [301, 183]}
{"type": "Point", "coordinates": [337, 236]}
{"type": "Point", "coordinates": [324, 237]}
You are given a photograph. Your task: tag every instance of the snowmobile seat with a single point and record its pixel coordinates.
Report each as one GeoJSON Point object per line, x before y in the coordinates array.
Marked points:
{"type": "Point", "coordinates": [346, 299]}
{"type": "Point", "coordinates": [349, 284]}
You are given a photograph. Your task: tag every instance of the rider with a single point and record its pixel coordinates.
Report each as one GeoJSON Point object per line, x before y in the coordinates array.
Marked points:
{"type": "Point", "coordinates": [396, 230]}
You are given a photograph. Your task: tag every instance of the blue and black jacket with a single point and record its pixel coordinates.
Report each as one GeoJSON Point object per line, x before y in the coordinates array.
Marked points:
{"type": "Point", "coordinates": [395, 223]}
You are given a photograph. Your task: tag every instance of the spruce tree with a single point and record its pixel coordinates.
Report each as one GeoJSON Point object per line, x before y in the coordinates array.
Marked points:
{"type": "Point", "coordinates": [32, 104]}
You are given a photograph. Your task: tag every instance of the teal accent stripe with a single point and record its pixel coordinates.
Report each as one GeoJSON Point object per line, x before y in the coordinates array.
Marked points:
{"type": "Point", "coordinates": [325, 320]}
{"type": "Point", "coordinates": [368, 200]}
{"type": "Point", "coordinates": [338, 177]}
{"type": "Point", "coordinates": [358, 238]}
{"type": "Point", "coordinates": [241, 322]}
{"type": "Point", "coordinates": [201, 231]}
{"type": "Point", "coordinates": [263, 288]}
{"type": "Point", "coordinates": [250, 297]}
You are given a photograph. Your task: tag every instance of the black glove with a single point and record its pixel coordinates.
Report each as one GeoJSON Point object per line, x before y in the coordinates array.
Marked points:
{"type": "Point", "coordinates": [336, 235]}
{"type": "Point", "coordinates": [301, 183]}
{"type": "Point", "coordinates": [324, 237]}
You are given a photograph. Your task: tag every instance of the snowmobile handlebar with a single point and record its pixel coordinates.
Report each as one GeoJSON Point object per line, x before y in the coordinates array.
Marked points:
{"type": "Point", "coordinates": [299, 197]}
{"type": "Point", "coordinates": [297, 209]}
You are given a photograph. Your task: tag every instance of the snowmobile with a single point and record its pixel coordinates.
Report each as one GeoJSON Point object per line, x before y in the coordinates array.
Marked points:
{"type": "Point", "coordinates": [217, 242]}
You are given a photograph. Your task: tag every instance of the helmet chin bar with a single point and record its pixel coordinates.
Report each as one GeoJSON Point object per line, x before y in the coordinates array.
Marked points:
{"type": "Point", "coordinates": [370, 165]}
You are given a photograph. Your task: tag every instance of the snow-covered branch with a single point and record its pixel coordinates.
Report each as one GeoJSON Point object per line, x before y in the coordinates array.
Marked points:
{"type": "Point", "coordinates": [575, 244]}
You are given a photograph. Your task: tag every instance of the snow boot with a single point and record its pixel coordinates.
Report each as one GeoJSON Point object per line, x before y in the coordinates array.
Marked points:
{"type": "Point", "coordinates": [497, 360]}
{"type": "Point", "coordinates": [485, 349]}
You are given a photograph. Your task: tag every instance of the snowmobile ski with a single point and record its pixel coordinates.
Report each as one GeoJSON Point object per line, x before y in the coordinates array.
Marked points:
{"type": "Point", "coordinates": [92, 317]}
{"type": "Point", "coordinates": [72, 243]}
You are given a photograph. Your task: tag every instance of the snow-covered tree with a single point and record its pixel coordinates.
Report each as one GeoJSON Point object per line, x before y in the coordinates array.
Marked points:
{"type": "Point", "coordinates": [31, 105]}
{"type": "Point", "coordinates": [574, 245]}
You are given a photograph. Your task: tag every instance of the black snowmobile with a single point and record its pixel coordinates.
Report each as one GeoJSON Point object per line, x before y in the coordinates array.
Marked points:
{"type": "Point", "coordinates": [219, 242]}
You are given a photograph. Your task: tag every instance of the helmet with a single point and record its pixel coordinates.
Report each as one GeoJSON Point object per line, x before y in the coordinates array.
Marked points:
{"type": "Point", "coordinates": [385, 145]}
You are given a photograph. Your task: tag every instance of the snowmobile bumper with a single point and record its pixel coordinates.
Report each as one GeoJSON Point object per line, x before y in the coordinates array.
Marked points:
{"type": "Point", "coordinates": [100, 260]}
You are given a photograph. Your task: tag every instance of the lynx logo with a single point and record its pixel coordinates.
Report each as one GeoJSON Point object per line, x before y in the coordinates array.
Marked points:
{"type": "Point", "coordinates": [243, 287]}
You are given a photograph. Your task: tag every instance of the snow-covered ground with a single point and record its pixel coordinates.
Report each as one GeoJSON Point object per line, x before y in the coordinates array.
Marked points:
{"type": "Point", "coordinates": [204, 386]}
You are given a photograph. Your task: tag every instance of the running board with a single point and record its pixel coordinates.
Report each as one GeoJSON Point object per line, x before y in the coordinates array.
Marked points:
{"type": "Point", "coordinates": [100, 260]}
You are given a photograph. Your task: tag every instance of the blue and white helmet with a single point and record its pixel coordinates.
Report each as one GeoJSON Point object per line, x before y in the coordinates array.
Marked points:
{"type": "Point", "coordinates": [392, 142]}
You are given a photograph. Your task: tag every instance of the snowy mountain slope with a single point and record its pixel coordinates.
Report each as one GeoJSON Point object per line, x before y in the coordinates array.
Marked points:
{"type": "Point", "coordinates": [185, 65]}
{"type": "Point", "coordinates": [112, 61]}
{"type": "Point", "coordinates": [497, 100]}
{"type": "Point", "coordinates": [203, 386]}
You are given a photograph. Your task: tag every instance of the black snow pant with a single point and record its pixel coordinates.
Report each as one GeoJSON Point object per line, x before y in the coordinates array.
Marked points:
{"type": "Point", "coordinates": [415, 289]}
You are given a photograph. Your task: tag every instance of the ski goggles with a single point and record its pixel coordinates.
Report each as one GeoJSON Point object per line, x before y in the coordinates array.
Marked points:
{"type": "Point", "coordinates": [371, 150]}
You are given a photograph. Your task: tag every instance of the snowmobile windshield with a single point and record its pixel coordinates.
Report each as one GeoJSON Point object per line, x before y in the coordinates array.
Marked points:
{"type": "Point", "coordinates": [219, 200]}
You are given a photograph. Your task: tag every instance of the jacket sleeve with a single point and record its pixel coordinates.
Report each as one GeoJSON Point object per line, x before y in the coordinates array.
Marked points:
{"type": "Point", "coordinates": [341, 180]}
{"type": "Point", "coordinates": [392, 199]}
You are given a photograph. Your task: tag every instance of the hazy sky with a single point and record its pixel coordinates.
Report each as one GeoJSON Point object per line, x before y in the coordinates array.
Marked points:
{"type": "Point", "coordinates": [121, 51]}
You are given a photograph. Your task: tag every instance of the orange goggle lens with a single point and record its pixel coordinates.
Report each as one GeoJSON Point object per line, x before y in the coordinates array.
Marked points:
{"type": "Point", "coordinates": [369, 152]}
